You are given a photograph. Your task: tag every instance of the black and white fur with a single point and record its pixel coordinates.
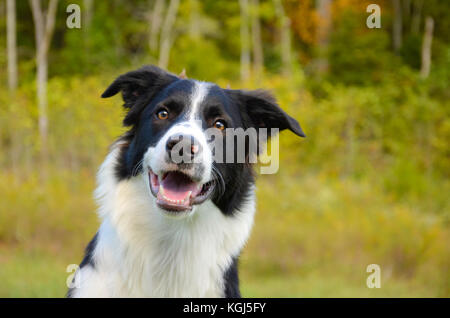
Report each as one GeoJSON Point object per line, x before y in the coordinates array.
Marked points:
{"type": "Point", "coordinates": [142, 250]}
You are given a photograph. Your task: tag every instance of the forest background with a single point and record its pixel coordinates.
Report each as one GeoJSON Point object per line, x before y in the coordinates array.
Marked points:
{"type": "Point", "coordinates": [369, 184]}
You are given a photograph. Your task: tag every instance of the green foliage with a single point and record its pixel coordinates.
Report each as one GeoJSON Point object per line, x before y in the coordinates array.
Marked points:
{"type": "Point", "coordinates": [359, 56]}
{"type": "Point", "coordinates": [369, 184]}
{"type": "Point", "coordinates": [201, 68]}
{"type": "Point", "coordinates": [329, 229]}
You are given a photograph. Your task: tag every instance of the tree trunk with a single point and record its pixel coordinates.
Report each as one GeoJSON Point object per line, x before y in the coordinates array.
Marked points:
{"type": "Point", "coordinates": [194, 20]}
{"type": "Point", "coordinates": [324, 11]}
{"type": "Point", "coordinates": [14, 149]}
{"type": "Point", "coordinates": [397, 26]}
{"type": "Point", "coordinates": [416, 15]}
{"type": "Point", "coordinates": [155, 24]}
{"type": "Point", "coordinates": [44, 25]}
{"type": "Point", "coordinates": [245, 41]}
{"type": "Point", "coordinates": [41, 79]}
{"type": "Point", "coordinates": [285, 37]}
{"type": "Point", "coordinates": [407, 8]}
{"type": "Point", "coordinates": [11, 44]}
{"type": "Point", "coordinates": [88, 9]}
{"type": "Point", "coordinates": [166, 34]}
{"type": "Point", "coordinates": [350, 140]}
{"type": "Point", "coordinates": [426, 47]}
{"type": "Point", "coordinates": [258, 57]}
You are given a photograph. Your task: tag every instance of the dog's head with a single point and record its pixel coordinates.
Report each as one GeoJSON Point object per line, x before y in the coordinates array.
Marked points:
{"type": "Point", "coordinates": [175, 124]}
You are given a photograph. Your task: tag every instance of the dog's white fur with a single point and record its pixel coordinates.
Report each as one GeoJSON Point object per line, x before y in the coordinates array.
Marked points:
{"type": "Point", "coordinates": [200, 91]}
{"type": "Point", "coordinates": [142, 252]}
{"type": "Point", "coordinates": [155, 156]}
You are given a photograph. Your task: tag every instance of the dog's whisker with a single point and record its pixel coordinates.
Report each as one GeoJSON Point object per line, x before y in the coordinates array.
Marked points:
{"type": "Point", "coordinates": [220, 182]}
{"type": "Point", "coordinates": [137, 167]}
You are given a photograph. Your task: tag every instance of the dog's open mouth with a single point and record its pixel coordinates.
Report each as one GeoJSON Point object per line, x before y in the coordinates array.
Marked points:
{"type": "Point", "coordinates": [177, 192]}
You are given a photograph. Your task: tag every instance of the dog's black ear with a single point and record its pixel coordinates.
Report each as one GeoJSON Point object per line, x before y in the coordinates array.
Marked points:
{"type": "Point", "coordinates": [263, 111]}
{"type": "Point", "coordinates": [142, 84]}
{"type": "Point", "coordinates": [136, 83]}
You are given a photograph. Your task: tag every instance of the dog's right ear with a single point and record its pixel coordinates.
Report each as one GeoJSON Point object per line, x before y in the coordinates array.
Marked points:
{"type": "Point", "coordinates": [138, 87]}
{"type": "Point", "coordinates": [145, 81]}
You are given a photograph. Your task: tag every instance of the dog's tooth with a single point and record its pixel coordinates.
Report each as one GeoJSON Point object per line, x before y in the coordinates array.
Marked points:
{"type": "Point", "coordinates": [161, 188]}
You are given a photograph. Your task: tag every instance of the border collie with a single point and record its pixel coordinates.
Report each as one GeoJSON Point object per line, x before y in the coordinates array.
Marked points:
{"type": "Point", "coordinates": [174, 228]}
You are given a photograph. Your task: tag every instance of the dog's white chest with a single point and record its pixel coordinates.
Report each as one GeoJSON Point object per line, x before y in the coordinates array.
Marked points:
{"type": "Point", "coordinates": [143, 254]}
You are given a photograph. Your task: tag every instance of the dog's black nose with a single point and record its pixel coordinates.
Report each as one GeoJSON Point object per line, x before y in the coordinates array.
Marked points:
{"type": "Point", "coordinates": [182, 148]}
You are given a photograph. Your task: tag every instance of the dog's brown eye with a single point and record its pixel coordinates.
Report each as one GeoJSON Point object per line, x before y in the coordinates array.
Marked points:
{"type": "Point", "coordinates": [219, 124]}
{"type": "Point", "coordinates": [163, 114]}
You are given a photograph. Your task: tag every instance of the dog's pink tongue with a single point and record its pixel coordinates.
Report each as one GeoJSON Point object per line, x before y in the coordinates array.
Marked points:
{"type": "Point", "coordinates": [177, 186]}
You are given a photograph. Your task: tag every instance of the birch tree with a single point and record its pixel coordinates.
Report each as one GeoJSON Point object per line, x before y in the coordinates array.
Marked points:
{"type": "Point", "coordinates": [194, 20]}
{"type": "Point", "coordinates": [44, 24]}
{"type": "Point", "coordinates": [426, 47]}
{"type": "Point", "coordinates": [88, 11]}
{"type": "Point", "coordinates": [397, 26]}
{"type": "Point", "coordinates": [166, 38]}
{"type": "Point", "coordinates": [245, 40]}
{"type": "Point", "coordinates": [11, 44]}
{"type": "Point", "coordinates": [258, 56]}
{"type": "Point", "coordinates": [285, 37]}
{"type": "Point", "coordinates": [324, 11]}
{"type": "Point", "coordinates": [155, 21]}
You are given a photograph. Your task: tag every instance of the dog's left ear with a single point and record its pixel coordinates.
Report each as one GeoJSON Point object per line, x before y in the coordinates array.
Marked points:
{"type": "Point", "coordinates": [263, 111]}
{"type": "Point", "coordinates": [142, 83]}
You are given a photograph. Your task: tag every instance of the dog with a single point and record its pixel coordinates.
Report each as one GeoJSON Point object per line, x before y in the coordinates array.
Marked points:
{"type": "Point", "coordinates": [174, 228]}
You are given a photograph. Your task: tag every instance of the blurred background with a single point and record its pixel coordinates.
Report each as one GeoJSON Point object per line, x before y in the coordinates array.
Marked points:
{"type": "Point", "coordinates": [369, 185]}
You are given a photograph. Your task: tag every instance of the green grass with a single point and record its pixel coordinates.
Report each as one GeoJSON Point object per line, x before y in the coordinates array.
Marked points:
{"type": "Point", "coordinates": [313, 237]}
{"type": "Point", "coordinates": [31, 274]}
{"type": "Point", "coordinates": [332, 285]}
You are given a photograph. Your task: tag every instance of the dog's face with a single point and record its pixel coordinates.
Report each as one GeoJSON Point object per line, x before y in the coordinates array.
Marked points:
{"type": "Point", "coordinates": [175, 124]}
